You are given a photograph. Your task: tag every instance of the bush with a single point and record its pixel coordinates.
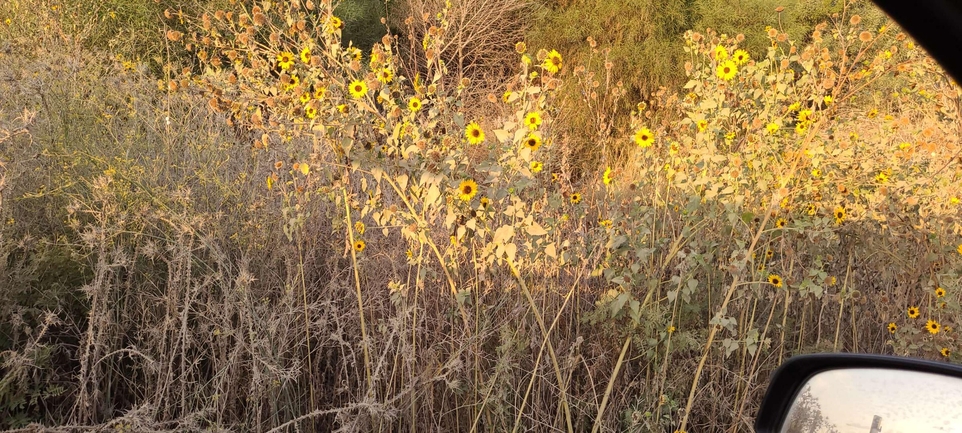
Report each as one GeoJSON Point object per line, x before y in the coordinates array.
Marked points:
{"type": "Point", "coordinates": [293, 234]}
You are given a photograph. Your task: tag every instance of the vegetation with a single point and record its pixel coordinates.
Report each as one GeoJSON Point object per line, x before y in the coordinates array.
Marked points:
{"type": "Point", "coordinates": [273, 230]}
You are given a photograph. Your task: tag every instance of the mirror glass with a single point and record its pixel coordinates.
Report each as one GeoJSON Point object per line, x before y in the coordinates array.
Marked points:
{"type": "Point", "coordinates": [875, 400]}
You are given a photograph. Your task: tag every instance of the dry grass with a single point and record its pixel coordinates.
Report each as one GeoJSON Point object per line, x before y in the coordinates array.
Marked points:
{"type": "Point", "coordinates": [170, 268]}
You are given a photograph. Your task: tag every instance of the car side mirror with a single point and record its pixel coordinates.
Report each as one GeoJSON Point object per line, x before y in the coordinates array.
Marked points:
{"type": "Point", "coordinates": [842, 393]}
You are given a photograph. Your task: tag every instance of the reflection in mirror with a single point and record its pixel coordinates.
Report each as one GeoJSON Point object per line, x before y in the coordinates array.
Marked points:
{"type": "Point", "coordinates": [875, 400]}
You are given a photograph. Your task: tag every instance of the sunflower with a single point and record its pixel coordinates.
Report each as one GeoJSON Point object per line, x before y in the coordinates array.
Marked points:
{"type": "Point", "coordinates": [945, 352]}
{"type": "Point", "coordinates": [285, 60]}
{"type": "Point", "coordinates": [310, 112]}
{"type": "Point", "coordinates": [939, 292]}
{"type": "Point", "coordinates": [804, 115]}
{"type": "Point", "coordinates": [644, 137]}
{"type": "Point", "coordinates": [358, 89]}
{"type": "Point", "coordinates": [334, 24]}
{"type": "Point", "coordinates": [769, 253]}
{"type": "Point", "coordinates": [533, 120]}
{"type": "Point", "coordinates": [816, 172]}
{"type": "Point", "coordinates": [726, 70]}
{"type": "Point", "coordinates": [780, 223]}
{"type": "Point", "coordinates": [881, 177]}
{"type": "Point", "coordinates": [533, 142]}
{"type": "Point", "coordinates": [892, 327]}
{"type": "Point", "coordinates": [772, 128]}
{"type": "Point", "coordinates": [702, 125]}
{"type": "Point", "coordinates": [359, 245]}
{"type": "Point", "coordinates": [474, 133]}
{"type": "Point", "coordinates": [414, 104]}
{"type": "Point", "coordinates": [305, 97]}
{"type": "Point", "coordinates": [536, 166]}
{"type": "Point", "coordinates": [913, 312]}
{"type": "Point", "coordinates": [959, 249]}
{"type": "Point", "coordinates": [721, 53]}
{"type": "Point", "coordinates": [801, 128]}
{"type": "Point", "coordinates": [606, 178]}
{"type": "Point", "coordinates": [385, 76]}
{"type": "Point", "coordinates": [932, 326]}
{"type": "Point", "coordinates": [467, 189]}
{"type": "Point", "coordinates": [812, 209]}
{"type": "Point", "coordinates": [775, 280]}
{"type": "Point", "coordinates": [359, 227]}
{"type": "Point", "coordinates": [552, 63]}
{"type": "Point", "coordinates": [839, 214]}
{"type": "Point", "coordinates": [575, 198]}
{"type": "Point", "coordinates": [306, 55]}
{"type": "Point", "coordinates": [741, 57]}
{"type": "Point", "coordinates": [485, 202]}
{"type": "Point", "coordinates": [292, 83]}
{"type": "Point", "coordinates": [320, 93]}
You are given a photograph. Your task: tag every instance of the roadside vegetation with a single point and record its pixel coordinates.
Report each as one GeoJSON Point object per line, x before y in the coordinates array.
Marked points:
{"type": "Point", "coordinates": [469, 216]}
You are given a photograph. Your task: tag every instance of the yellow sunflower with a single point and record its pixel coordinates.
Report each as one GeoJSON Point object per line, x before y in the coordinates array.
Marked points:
{"type": "Point", "coordinates": [721, 53]}
{"type": "Point", "coordinates": [812, 209]}
{"type": "Point", "coordinates": [385, 76]}
{"type": "Point", "coordinates": [359, 245]}
{"type": "Point", "coordinates": [772, 128]}
{"type": "Point", "coordinates": [932, 326]}
{"type": "Point", "coordinates": [359, 227]}
{"type": "Point", "coordinates": [536, 166]}
{"type": "Point", "coordinates": [839, 214]}
{"type": "Point", "coordinates": [474, 133]}
{"type": "Point", "coordinates": [414, 104]}
{"type": "Point", "coordinates": [945, 352]}
{"type": "Point", "coordinates": [726, 70]}
{"type": "Point", "coordinates": [334, 24]}
{"type": "Point", "coordinates": [292, 83]}
{"type": "Point", "coordinates": [741, 57]}
{"type": "Point", "coordinates": [575, 198]}
{"type": "Point", "coordinates": [939, 292]}
{"type": "Point", "coordinates": [780, 223]}
{"type": "Point", "coordinates": [485, 202]}
{"type": "Point", "coordinates": [606, 178]}
{"type": "Point", "coordinates": [801, 128]}
{"type": "Point", "coordinates": [892, 327]}
{"type": "Point", "coordinates": [358, 89]}
{"type": "Point", "coordinates": [285, 60]}
{"type": "Point", "coordinates": [310, 112]}
{"type": "Point", "coordinates": [467, 189]}
{"type": "Point", "coordinates": [702, 125]}
{"type": "Point", "coordinates": [533, 142]}
{"type": "Point", "coordinates": [320, 93]}
{"type": "Point", "coordinates": [305, 97]}
{"type": "Point", "coordinates": [533, 120]}
{"type": "Point", "coordinates": [552, 63]}
{"type": "Point", "coordinates": [881, 177]}
{"type": "Point", "coordinates": [912, 312]}
{"type": "Point", "coordinates": [775, 280]}
{"type": "Point", "coordinates": [306, 55]}
{"type": "Point", "coordinates": [644, 137]}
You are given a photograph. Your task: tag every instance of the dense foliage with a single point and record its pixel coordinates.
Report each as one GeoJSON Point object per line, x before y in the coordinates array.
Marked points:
{"type": "Point", "coordinates": [270, 229]}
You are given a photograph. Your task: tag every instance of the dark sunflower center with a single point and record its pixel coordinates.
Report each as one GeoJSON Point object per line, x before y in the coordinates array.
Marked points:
{"type": "Point", "coordinates": [357, 88]}
{"type": "Point", "coordinates": [466, 189]}
{"type": "Point", "coordinates": [531, 143]}
{"type": "Point", "coordinates": [727, 69]}
{"type": "Point", "coordinates": [644, 137]}
{"type": "Point", "coordinates": [475, 133]}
